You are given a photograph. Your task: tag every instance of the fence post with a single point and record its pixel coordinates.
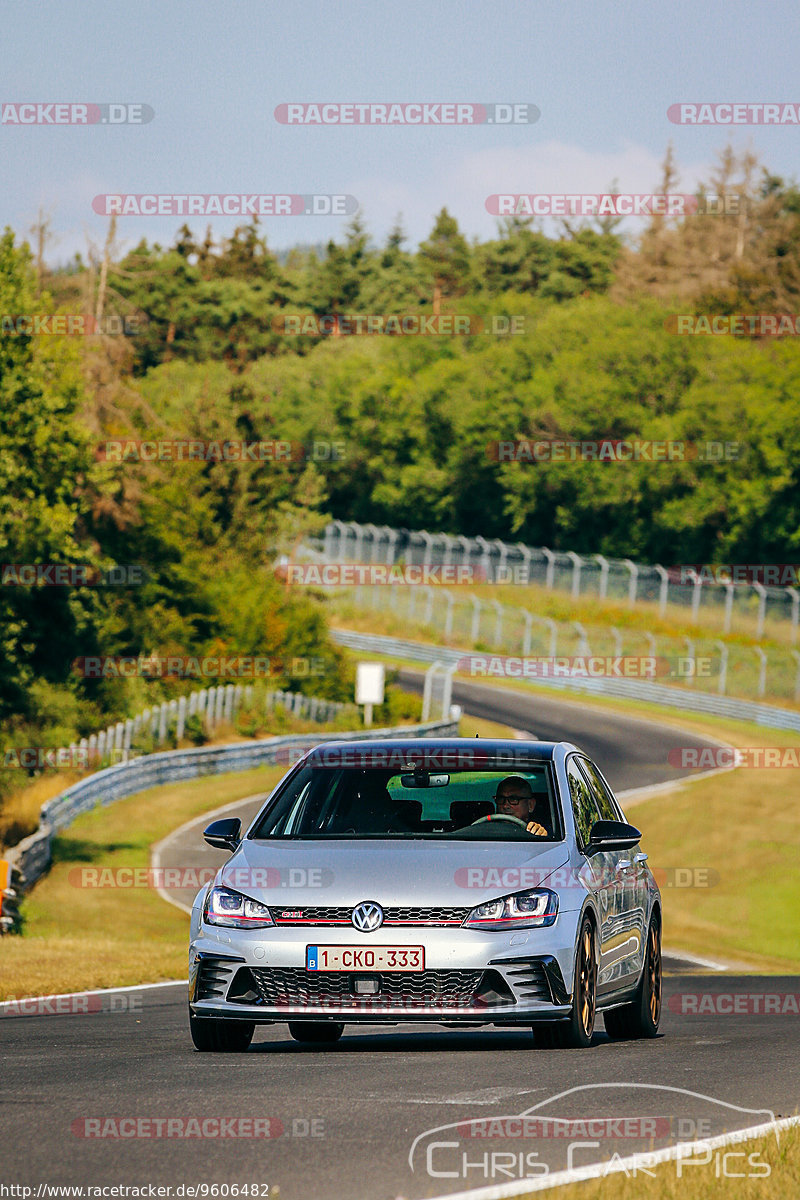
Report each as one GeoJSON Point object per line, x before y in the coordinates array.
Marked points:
{"type": "Point", "coordinates": [428, 618]}
{"type": "Point", "coordinates": [617, 636]}
{"type": "Point", "coordinates": [498, 624]}
{"type": "Point", "coordinates": [583, 643]}
{"type": "Point", "coordinates": [794, 596]}
{"type": "Point", "coordinates": [526, 560]}
{"type": "Point", "coordinates": [722, 683]}
{"type": "Point", "coordinates": [604, 565]}
{"type": "Point", "coordinates": [448, 620]}
{"type": "Point", "coordinates": [762, 672]}
{"type": "Point", "coordinates": [634, 580]}
{"type": "Point", "coordinates": [526, 637]}
{"type": "Point", "coordinates": [663, 588]}
{"type": "Point", "coordinates": [690, 654]}
{"type": "Point", "coordinates": [698, 583]}
{"type": "Point", "coordinates": [551, 566]}
{"type": "Point", "coordinates": [447, 692]}
{"type": "Point", "coordinates": [796, 657]}
{"type": "Point", "coordinates": [181, 719]}
{"type": "Point", "coordinates": [577, 563]}
{"type": "Point", "coordinates": [477, 606]}
{"type": "Point", "coordinates": [762, 608]}
{"type": "Point", "coordinates": [726, 624]}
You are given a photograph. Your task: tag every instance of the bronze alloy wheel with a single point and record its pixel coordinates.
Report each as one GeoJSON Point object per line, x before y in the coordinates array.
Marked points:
{"type": "Point", "coordinates": [576, 1031]}
{"type": "Point", "coordinates": [640, 1017]}
{"type": "Point", "coordinates": [587, 982]}
{"type": "Point", "coordinates": [653, 973]}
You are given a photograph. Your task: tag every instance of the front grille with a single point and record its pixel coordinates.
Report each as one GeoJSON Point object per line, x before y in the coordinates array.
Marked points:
{"type": "Point", "coordinates": [288, 987]}
{"type": "Point", "coordinates": [391, 916]}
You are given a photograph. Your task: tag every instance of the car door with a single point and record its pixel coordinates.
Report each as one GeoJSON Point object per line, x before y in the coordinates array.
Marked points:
{"type": "Point", "coordinates": [599, 872]}
{"type": "Point", "coordinates": [631, 877]}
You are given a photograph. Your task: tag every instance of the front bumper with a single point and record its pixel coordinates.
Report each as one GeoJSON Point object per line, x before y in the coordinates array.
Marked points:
{"type": "Point", "coordinates": [471, 977]}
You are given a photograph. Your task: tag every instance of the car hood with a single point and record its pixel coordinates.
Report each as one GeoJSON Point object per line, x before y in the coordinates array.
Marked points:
{"type": "Point", "coordinates": [425, 873]}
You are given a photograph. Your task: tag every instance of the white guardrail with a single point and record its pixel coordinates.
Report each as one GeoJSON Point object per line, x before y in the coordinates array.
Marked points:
{"type": "Point", "coordinates": [31, 858]}
{"type": "Point", "coordinates": [628, 689]}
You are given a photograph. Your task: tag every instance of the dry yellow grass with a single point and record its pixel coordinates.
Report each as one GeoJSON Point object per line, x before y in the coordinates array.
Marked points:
{"type": "Point", "coordinates": [701, 1182]}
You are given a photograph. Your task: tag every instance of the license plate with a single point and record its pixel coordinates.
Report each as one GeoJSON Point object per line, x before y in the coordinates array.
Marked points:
{"type": "Point", "coordinates": [360, 958]}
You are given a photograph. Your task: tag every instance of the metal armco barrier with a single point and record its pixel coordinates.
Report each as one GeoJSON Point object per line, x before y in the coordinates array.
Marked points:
{"type": "Point", "coordinates": [9, 889]}
{"type": "Point", "coordinates": [628, 689]}
{"type": "Point", "coordinates": [31, 858]}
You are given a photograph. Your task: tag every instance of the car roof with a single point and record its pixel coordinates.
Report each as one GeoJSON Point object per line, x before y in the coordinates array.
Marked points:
{"type": "Point", "coordinates": [440, 753]}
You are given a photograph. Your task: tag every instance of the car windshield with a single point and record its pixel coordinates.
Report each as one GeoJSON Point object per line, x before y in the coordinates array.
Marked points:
{"type": "Point", "coordinates": [322, 802]}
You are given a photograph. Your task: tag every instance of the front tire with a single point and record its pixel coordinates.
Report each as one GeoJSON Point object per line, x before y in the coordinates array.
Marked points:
{"type": "Point", "coordinates": [576, 1032]}
{"type": "Point", "coordinates": [212, 1036]}
{"type": "Point", "coordinates": [321, 1033]}
{"type": "Point", "coordinates": [641, 1017]}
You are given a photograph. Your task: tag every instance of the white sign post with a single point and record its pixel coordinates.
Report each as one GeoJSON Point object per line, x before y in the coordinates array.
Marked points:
{"type": "Point", "coordinates": [370, 678]}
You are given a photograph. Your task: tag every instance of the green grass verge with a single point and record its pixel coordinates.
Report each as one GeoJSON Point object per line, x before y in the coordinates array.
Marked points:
{"type": "Point", "coordinates": [76, 937]}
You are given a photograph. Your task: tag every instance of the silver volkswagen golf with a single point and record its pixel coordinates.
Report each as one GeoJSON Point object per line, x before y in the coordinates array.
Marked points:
{"type": "Point", "coordinates": [462, 882]}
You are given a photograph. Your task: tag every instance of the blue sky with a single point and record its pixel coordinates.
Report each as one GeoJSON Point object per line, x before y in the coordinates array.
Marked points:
{"type": "Point", "coordinates": [602, 73]}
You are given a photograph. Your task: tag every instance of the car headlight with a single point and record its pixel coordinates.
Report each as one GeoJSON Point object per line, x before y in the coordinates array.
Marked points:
{"type": "Point", "coordinates": [226, 907]}
{"type": "Point", "coordinates": [537, 906]}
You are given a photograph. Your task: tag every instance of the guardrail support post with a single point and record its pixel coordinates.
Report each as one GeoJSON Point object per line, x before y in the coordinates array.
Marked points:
{"type": "Point", "coordinates": [427, 690]}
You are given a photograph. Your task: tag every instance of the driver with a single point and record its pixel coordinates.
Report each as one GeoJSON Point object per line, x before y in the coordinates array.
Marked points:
{"type": "Point", "coordinates": [515, 798]}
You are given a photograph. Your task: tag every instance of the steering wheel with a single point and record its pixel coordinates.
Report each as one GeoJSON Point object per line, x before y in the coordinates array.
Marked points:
{"type": "Point", "coordinates": [501, 817]}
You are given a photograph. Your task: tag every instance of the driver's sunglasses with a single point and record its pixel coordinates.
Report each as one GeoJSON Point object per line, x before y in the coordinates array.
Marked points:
{"type": "Point", "coordinates": [512, 799]}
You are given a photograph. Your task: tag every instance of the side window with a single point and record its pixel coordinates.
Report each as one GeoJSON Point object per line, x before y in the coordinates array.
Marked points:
{"type": "Point", "coordinates": [605, 804]}
{"type": "Point", "coordinates": [583, 805]}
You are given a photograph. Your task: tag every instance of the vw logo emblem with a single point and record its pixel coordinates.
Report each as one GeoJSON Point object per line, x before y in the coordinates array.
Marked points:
{"type": "Point", "coordinates": [367, 916]}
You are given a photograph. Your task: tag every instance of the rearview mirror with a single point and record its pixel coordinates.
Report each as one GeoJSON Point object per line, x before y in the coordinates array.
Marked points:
{"type": "Point", "coordinates": [224, 834]}
{"type": "Point", "coordinates": [613, 835]}
{"type": "Point", "coordinates": [422, 779]}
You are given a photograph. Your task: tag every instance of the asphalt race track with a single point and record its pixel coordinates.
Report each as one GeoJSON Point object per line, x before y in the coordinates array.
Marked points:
{"type": "Point", "coordinates": [630, 752]}
{"type": "Point", "coordinates": [344, 1120]}
{"type": "Point", "coordinates": [350, 1114]}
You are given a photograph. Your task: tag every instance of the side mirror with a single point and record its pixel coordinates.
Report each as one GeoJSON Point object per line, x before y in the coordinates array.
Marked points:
{"type": "Point", "coordinates": [225, 834]}
{"type": "Point", "coordinates": [613, 835]}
